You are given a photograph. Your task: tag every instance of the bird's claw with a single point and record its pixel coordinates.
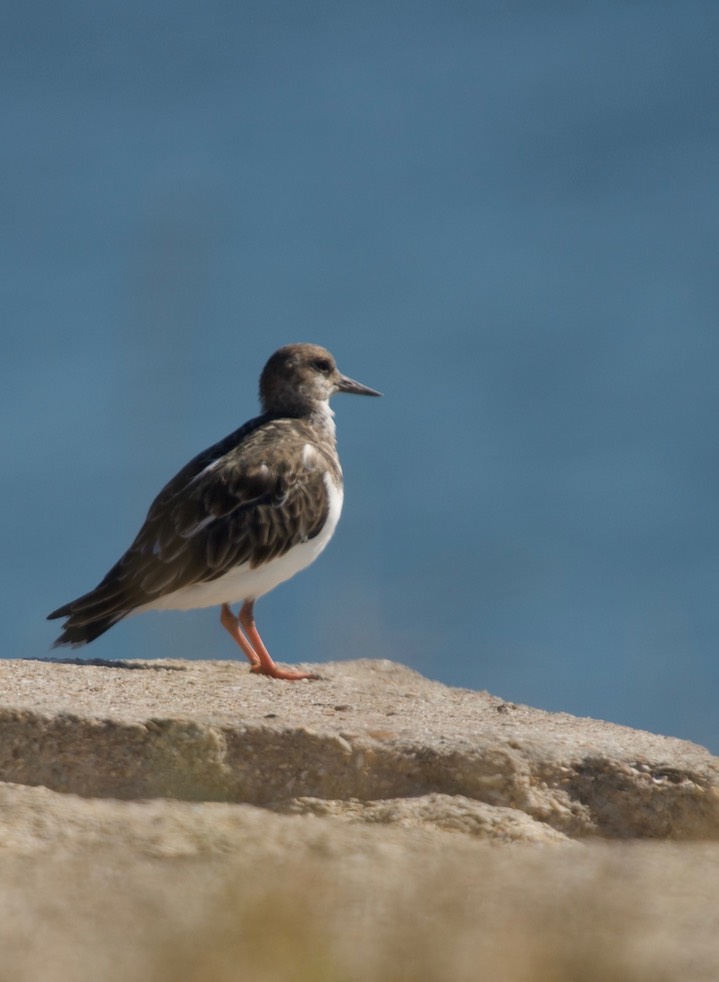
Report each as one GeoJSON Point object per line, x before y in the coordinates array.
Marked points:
{"type": "Point", "coordinates": [275, 672]}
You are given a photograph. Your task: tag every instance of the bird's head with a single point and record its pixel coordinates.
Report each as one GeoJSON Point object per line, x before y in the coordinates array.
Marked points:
{"type": "Point", "coordinates": [302, 377]}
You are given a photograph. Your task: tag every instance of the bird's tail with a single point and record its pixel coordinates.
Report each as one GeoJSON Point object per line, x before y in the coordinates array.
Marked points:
{"type": "Point", "coordinates": [89, 616]}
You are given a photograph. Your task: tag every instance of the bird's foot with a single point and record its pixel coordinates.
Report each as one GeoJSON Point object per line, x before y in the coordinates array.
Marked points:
{"type": "Point", "coordinates": [275, 672]}
{"type": "Point", "coordinates": [244, 631]}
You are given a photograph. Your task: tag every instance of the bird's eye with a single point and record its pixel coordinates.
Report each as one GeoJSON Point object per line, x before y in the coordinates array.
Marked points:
{"type": "Point", "coordinates": [322, 365]}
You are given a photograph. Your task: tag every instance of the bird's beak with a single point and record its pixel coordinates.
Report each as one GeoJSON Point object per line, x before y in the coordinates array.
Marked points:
{"type": "Point", "coordinates": [345, 384]}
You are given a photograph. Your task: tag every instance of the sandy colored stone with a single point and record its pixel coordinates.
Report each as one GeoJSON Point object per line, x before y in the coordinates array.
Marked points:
{"type": "Point", "coordinates": [188, 821]}
{"type": "Point", "coordinates": [365, 903]}
{"type": "Point", "coordinates": [368, 731]}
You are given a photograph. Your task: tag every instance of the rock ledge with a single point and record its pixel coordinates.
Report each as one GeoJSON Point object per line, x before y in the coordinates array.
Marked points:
{"type": "Point", "coordinates": [371, 742]}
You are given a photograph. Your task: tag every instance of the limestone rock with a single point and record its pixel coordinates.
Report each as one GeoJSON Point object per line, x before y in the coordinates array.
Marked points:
{"type": "Point", "coordinates": [190, 821]}
{"type": "Point", "coordinates": [367, 732]}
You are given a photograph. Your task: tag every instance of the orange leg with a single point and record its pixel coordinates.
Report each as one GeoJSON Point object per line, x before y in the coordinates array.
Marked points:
{"type": "Point", "coordinates": [232, 625]}
{"type": "Point", "coordinates": [245, 633]}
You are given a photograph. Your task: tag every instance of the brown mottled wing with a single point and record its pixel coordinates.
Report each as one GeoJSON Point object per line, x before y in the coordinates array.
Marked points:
{"type": "Point", "coordinates": [252, 504]}
{"type": "Point", "coordinates": [248, 498]}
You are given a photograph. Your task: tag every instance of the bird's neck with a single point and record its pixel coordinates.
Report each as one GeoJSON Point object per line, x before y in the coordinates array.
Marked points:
{"type": "Point", "coordinates": [323, 417]}
{"type": "Point", "coordinates": [317, 413]}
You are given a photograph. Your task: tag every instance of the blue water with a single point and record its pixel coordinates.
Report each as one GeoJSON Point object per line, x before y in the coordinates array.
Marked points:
{"type": "Point", "coordinates": [504, 216]}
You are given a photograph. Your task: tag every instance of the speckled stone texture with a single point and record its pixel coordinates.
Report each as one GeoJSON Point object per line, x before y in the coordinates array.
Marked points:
{"type": "Point", "coordinates": [372, 741]}
{"type": "Point", "coordinates": [157, 816]}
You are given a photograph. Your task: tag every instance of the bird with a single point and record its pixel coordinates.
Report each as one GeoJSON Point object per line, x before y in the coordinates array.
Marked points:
{"type": "Point", "coordinates": [240, 518]}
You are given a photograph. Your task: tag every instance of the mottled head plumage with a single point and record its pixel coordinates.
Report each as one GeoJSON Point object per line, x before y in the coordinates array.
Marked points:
{"type": "Point", "coordinates": [300, 379]}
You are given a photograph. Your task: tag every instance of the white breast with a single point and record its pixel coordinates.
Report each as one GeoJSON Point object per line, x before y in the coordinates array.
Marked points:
{"type": "Point", "coordinates": [244, 583]}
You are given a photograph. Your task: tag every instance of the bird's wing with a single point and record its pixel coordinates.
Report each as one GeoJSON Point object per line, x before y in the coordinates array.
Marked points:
{"type": "Point", "coordinates": [251, 504]}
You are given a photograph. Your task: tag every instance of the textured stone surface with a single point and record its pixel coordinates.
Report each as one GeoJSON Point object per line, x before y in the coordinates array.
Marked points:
{"type": "Point", "coordinates": [369, 731]}
{"type": "Point", "coordinates": [191, 822]}
{"type": "Point", "coordinates": [274, 898]}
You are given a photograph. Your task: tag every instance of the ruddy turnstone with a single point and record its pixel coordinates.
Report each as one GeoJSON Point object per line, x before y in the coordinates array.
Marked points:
{"type": "Point", "coordinates": [240, 517]}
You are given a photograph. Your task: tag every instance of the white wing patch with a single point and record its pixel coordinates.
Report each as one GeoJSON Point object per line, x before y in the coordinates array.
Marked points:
{"type": "Point", "coordinates": [198, 527]}
{"type": "Point", "coordinates": [309, 456]}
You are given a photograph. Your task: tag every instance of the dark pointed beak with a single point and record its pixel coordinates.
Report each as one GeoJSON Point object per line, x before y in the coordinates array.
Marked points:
{"type": "Point", "coordinates": [345, 384]}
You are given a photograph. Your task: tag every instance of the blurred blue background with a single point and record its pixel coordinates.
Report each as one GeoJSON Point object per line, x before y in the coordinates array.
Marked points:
{"type": "Point", "coordinates": [504, 216]}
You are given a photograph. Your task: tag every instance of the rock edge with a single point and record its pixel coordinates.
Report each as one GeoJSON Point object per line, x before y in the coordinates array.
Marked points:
{"type": "Point", "coordinates": [371, 742]}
